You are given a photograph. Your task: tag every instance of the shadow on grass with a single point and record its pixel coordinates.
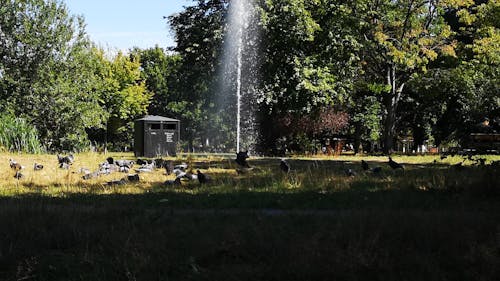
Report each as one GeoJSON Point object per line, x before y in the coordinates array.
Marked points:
{"type": "Point", "coordinates": [382, 235]}
{"type": "Point", "coordinates": [426, 223]}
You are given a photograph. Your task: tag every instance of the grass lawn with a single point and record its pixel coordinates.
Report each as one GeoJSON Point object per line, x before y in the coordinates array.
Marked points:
{"type": "Point", "coordinates": [432, 221]}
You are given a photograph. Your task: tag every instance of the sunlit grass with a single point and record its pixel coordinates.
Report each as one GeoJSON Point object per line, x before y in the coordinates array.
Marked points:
{"type": "Point", "coordinates": [308, 174]}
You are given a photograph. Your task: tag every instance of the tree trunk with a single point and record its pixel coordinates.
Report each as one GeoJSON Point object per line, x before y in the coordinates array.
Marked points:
{"type": "Point", "coordinates": [391, 102]}
{"type": "Point", "coordinates": [357, 138]}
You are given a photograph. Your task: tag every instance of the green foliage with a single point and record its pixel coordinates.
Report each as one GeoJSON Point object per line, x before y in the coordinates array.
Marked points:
{"type": "Point", "coordinates": [48, 72]}
{"type": "Point", "coordinates": [17, 135]}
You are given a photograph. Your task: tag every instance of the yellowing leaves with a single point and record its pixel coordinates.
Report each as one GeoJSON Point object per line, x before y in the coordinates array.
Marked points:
{"type": "Point", "coordinates": [466, 17]}
{"type": "Point", "coordinates": [449, 50]}
{"type": "Point", "coordinates": [380, 37]}
{"type": "Point", "coordinates": [431, 54]}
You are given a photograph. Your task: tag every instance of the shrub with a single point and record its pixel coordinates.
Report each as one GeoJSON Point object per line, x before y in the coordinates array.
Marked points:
{"type": "Point", "coordinates": [17, 135]}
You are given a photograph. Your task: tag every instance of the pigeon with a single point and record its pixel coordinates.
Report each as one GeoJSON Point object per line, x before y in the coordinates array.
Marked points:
{"type": "Point", "coordinates": [146, 168]}
{"type": "Point", "coordinates": [18, 175]}
{"type": "Point", "coordinates": [37, 166]}
{"type": "Point", "coordinates": [89, 175]}
{"type": "Point", "coordinates": [183, 167]}
{"type": "Point", "coordinates": [118, 182]}
{"type": "Point", "coordinates": [160, 163]}
{"type": "Point", "coordinates": [110, 160]}
{"type": "Point", "coordinates": [241, 159]}
{"type": "Point", "coordinates": [364, 165]}
{"type": "Point", "coordinates": [284, 166]}
{"type": "Point", "coordinates": [125, 163]}
{"type": "Point", "coordinates": [177, 181]}
{"type": "Point", "coordinates": [179, 173]}
{"type": "Point", "coordinates": [143, 162]}
{"type": "Point", "coordinates": [169, 167]}
{"type": "Point", "coordinates": [188, 176]}
{"type": "Point", "coordinates": [15, 166]}
{"type": "Point", "coordinates": [133, 178]}
{"type": "Point", "coordinates": [350, 173]}
{"type": "Point", "coordinates": [64, 165]}
{"type": "Point", "coordinates": [377, 170]}
{"type": "Point", "coordinates": [395, 165]}
{"type": "Point", "coordinates": [69, 159]}
{"type": "Point", "coordinates": [202, 178]}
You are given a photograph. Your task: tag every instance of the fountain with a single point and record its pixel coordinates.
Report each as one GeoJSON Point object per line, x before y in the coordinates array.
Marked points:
{"type": "Point", "coordinates": [239, 70]}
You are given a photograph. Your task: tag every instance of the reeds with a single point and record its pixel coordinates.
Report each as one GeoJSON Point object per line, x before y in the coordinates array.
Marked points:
{"type": "Point", "coordinates": [16, 134]}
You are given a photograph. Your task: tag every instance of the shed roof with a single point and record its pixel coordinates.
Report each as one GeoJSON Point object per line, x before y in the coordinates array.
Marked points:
{"type": "Point", "coordinates": [157, 118]}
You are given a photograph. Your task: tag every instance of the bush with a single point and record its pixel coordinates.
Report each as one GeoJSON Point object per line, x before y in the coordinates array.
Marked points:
{"type": "Point", "coordinates": [17, 135]}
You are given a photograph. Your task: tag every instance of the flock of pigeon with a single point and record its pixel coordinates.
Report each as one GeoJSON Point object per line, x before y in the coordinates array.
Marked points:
{"type": "Point", "coordinates": [180, 171]}
{"type": "Point", "coordinates": [124, 166]}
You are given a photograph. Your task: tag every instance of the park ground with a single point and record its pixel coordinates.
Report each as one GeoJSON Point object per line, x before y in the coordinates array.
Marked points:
{"type": "Point", "coordinates": [433, 221]}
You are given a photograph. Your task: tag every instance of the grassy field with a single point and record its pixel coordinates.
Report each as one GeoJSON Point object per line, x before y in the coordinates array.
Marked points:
{"type": "Point", "coordinates": [432, 221]}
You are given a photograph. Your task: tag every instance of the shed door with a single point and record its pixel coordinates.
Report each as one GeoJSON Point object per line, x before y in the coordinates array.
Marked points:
{"type": "Point", "coordinates": [154, 140]}
{"type": "Point", "coordinates": [171, 137]}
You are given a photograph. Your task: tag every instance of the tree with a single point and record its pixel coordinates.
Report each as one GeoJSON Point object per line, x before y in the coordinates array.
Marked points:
{"type": "Point", "coordinates": [160, 71]}
{"type": "Point", "coordinates": [199, 32]}
{"type": "Point", "coordinates": [310, 59]}
{"type": "Point", "coordinates": [123, 95]}
{"type": "Point", "coordinates": [400, 39]}
{"type": "Point", "coordinates": [47, 71]}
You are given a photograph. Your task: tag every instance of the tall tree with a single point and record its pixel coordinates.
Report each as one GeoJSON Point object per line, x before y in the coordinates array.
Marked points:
{"type": "Point", "coordinates": [47, 71]}
{"type": "Point", "coordinates": [400, 38]}
{"type": "Point", "coordinates": [199, 31]}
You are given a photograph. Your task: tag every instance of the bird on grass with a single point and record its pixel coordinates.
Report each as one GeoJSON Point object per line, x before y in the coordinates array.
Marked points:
{"type": "Point", "coordinates": [202, 178]}
{"type": "Point", "coordinates": [349, 172]}
{"type": "Point", "coordinates": [176, 182]}
{"type": "Point", "coordinates": [284, 166]}
{"type": "Point", "coordinates": [377, 170]}
{"type": "Point", "coordinates": [169, 167]}
{"type": "Point", "coordinates": [364, 165]}
{"type": "Point", "coordinates": [133, 177]}
{"type": "Point", "coordinates": [69, 159]}
{"type": "Point", "coordinates": [18, 175]}
{"type": "Point", "coordinates": [395, 165]}
{"type": "Point", "coordinates": [37, 166]}
{"type": "Point", "coordinates": [117, 182]}
{"type": "Point", "coordinates": [241, 159]}
{"type": "Point", "coordinates": [64, 165]}
{"type": "Point", "coordinates": [15, 166]}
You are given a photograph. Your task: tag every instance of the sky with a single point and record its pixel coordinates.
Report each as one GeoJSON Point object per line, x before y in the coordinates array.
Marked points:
{"type": "Point", "coordinates": [123, 24]}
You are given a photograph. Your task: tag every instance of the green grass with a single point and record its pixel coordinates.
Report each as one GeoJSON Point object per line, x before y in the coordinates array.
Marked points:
{"type": "Point", "coordinates": [431, 222]}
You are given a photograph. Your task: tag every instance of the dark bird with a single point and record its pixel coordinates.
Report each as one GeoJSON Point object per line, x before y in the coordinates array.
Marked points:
{"type": "Point", "coordinates": [176, 182]}
{"type": "Point", "coordinates": [15, 166]}
{"type": "Point", "coordinates": [350, 173]}
{"type": "Point", "coordinates": [241, 159]}
{"type": "Point", "coordinates": [182, 167]}
{"type": "Point", "coordinates": [143, 162]}
{"type": "Point", "coordinates": [395, 165]}
{"type": "Point", "coordinates": [160, 163]}
{"type": "Point", "coordinates": [69, 159]}
{"type": "Point", "coordinates": [443, 157]}
{"type": "Point", "coordinates": [37, 166]}
{"type": "Point", "coordinates": [133, 178]}
{"type": "Point", "coordinates": [169, 167]}
{"type": "Point", "coordinates": [365, 166]}
{"type": "Point", "coordinates": [110, 160]}
{"type": "Point", "coordinates": [125, 163]}
{"type": "Point", "coordinates": [284, 166]}
{"type": "Point", "coordinates": [377, 170]}
{"type": "Point", "coordinates": [64, 166]}
{"type": "Point", "coordinates": [202, 178]}
{"type": "Point", "coordinates": [89, 175]}
{"type": "Point", "coordinates": [18, 175]}
{"type": "Point", "coordinates": [118, 182]}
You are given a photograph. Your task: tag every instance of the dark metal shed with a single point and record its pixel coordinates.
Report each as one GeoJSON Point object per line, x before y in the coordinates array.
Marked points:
{"type": "Point", "coordinates": [156, 136]}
